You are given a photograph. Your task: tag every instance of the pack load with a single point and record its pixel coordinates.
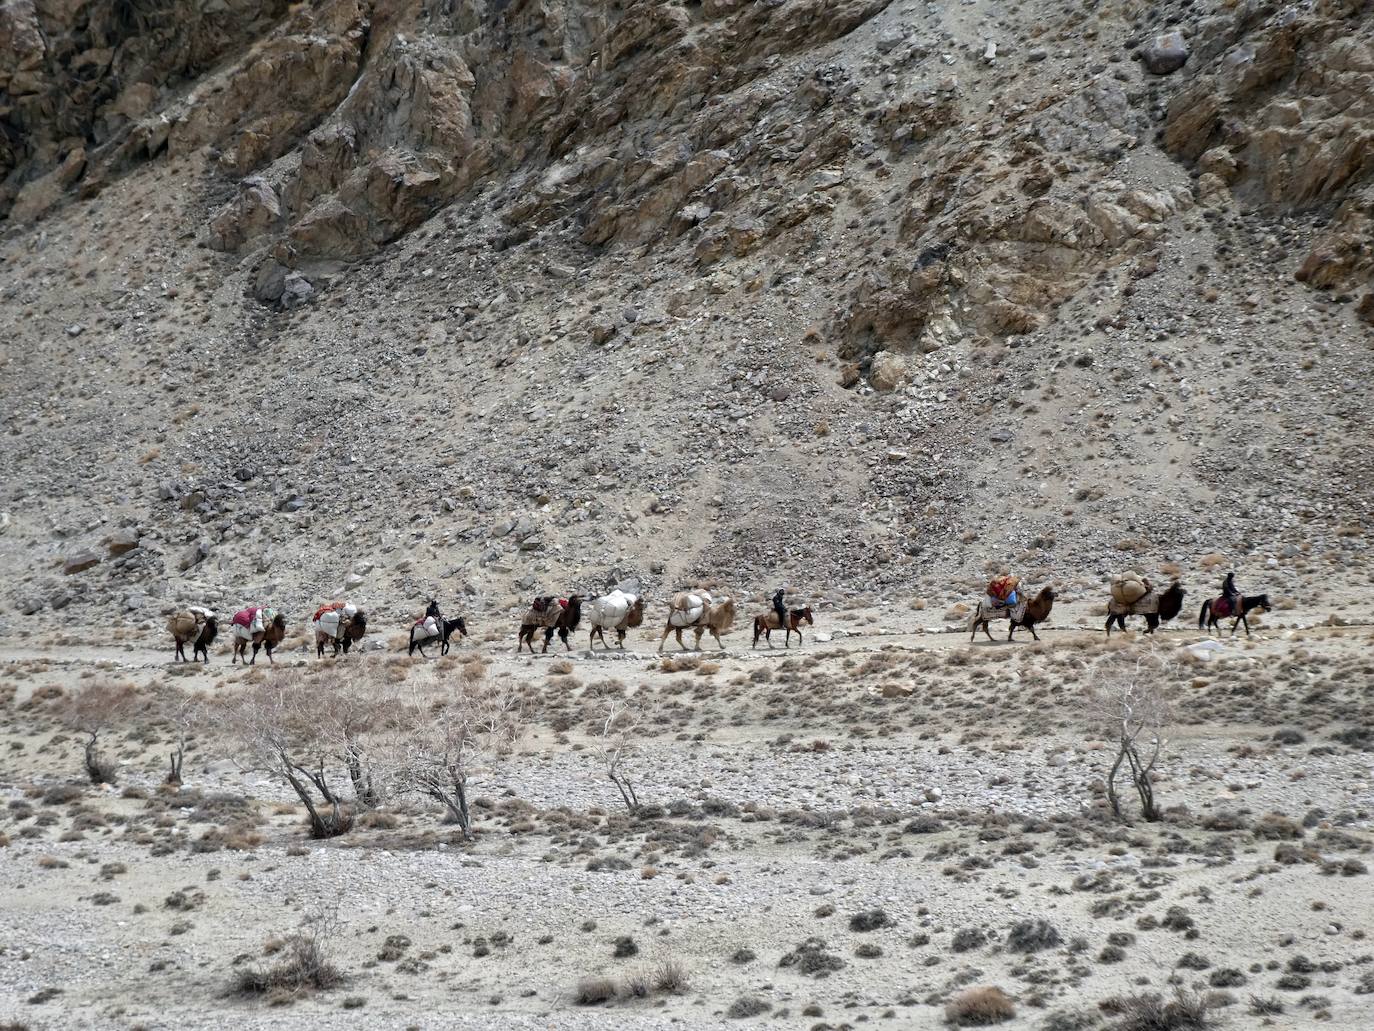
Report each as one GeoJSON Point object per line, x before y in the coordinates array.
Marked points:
{"type": "Point", "coordinates": [1129, 588]}
{"type": "Point", "coordinates": [687, 607]}
{"type": "Point", "coordinates": [333, 606]}
{"type": "Point", "coordinates": [250, 621]}
{"type": "Point", "coordinates": [1003, 589]}
{"type": "Point", "coordinates": [544, 611]}
{"type": "Point", "coordinates": [425, 628]}
{"type": "Point", "coordinates": [200, 613]}
{"type": "Point", "coordinates": [328, 617]}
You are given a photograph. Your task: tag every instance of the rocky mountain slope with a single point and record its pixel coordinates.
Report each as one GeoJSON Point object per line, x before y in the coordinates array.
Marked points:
{"type": "Point", "coordinates": [443, 296]}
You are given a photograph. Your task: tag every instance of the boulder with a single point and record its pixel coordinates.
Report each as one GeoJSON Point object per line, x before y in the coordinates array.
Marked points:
{"type": "Point", "coordinates": [80, 562]}
{"type": "Point", "coordinates": [1164, 54]}
{"type": "Point", "coordinates": [123, 540]}
{"type": "Point", "coordinates": [887, 371]}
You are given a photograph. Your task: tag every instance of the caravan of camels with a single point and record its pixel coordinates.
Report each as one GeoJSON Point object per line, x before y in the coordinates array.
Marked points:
{"type": "Point", "coordinates": [340, 624]}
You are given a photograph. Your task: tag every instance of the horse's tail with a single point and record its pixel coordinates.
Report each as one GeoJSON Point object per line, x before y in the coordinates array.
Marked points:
{"type": "Point", "coordinates": [1202, 615]}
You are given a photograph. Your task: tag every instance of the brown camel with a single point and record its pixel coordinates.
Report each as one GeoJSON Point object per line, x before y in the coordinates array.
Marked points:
{"type": "Point", "coordinates": [699, 612]}
{"type": "Point", "coordinates": [268, 638]}
{"type": "Point", "coordinates": [1026, 614]}
{"type": "Point", "coordinates": [200, 633]}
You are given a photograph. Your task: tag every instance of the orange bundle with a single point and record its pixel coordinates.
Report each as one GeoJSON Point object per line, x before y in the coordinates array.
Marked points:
{"type": "Point", "coordinates": [1002, 586]}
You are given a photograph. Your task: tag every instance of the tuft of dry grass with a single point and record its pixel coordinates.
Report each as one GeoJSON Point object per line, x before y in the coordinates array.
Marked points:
{"type": "Point", "coordinates": [979, 1007]}
{"type": "Point", "coordinates": [592, 991]}
{"type": "Point", "coordinates": [304, 967]}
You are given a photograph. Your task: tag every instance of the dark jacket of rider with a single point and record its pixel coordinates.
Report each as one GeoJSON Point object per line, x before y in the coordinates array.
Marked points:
{"type": "Point", "coordinates": [780, 607]}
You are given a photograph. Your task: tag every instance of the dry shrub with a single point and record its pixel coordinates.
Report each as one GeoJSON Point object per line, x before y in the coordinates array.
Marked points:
{"type": "Point", "coordinates": [978, 1007]}
{"type": "Point", "coordinates": [671, 976]}
{"type": "Point", "coordinates": [592, 991]}
{"type": "Point", "coordinates": [560, 667]}
{"type": "Point", "coordinates": [678, 663]}
{"type": "Point", "coordinates": [1150, 1011]}
{"type": "Point", "coordinates": [304, 965]}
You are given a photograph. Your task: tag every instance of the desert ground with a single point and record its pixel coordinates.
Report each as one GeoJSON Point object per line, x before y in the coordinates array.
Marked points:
{"type": "Point", "coordinates": [857, 829]}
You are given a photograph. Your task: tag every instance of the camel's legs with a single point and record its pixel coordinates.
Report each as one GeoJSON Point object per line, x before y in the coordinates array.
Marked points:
{"type": "Point", "coordinates": [1031, 628]}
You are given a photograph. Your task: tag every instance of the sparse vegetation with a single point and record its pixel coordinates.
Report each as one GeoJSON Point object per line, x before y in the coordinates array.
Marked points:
{"type": "Point", "coordinates": [979, 1007]}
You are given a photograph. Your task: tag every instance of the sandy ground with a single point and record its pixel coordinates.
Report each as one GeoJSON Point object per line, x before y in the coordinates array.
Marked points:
{"type": "Point", "coordinates": [799, 787]}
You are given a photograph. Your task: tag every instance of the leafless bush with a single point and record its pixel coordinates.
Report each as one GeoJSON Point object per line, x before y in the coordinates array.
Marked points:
{"type": "Point", "coordinates": [92, 711]}
{"type": "Point", "coordinates": [1131, 697]}
{"type": "Point", "coordinates": [275, 729]}
{"type": "Point", "coordinates": [618, 736]}
{"type": "Point", "coordinates": [451, 734]}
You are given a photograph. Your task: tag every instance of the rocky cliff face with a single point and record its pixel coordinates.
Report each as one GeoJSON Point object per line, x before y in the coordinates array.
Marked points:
{"type": "Point", "coordinates": [556, 280]}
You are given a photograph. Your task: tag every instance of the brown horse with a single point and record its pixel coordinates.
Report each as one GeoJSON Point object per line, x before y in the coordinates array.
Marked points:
{"type": "Point", "coordinates": [765, 624]}
{"type": "Point", "coordinates": [1037, 610]}
{"type": "Point", "coordinates": [1170, 605]}
{"type": "Point", "coordinates": [552, 617]}
{"type": "Point", "coordinates": [1217, 609]}
{"type": "Point", "coordinates": [350, 632]}
{"type": "Point", "coordinates": [200, 634]}
{"type": "Point", "coordinates": [268, 638]}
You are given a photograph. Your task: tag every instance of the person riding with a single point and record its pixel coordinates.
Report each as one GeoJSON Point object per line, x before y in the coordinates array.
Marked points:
{"type": "Point", "coordinates": [780, 607]}
{"type": "Point", "coordinates": [1230, 593]}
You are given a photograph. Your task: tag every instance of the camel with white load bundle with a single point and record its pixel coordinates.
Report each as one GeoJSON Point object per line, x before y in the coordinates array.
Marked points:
{"type": "Point", "coordinates": [699, 612]}
{"type": "Point", "coordinates": [260, 627]}
{"type": "Point", "coordinates": [619, 611]}
{"type": "Point", "coordinates": [339, 624]}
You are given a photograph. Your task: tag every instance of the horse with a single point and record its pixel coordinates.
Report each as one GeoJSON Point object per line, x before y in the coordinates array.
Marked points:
{"type": "Point", "coordinates": [442, 628]}
{"type": "Point", "coordinates": [552, 616]}
{"type": "Point", "coordinates": [1157, 608]}
{"type": "Point", "coordinates": [347, 631]}
{"type": "Point", "coordinates": [446, 631]}
{"type": "Point", "coordinates": [698, 611]}
{"type": "Point", "coordinates": [268, 638]}
{"type": "Point", "coordinates": [1037, 610]}
{"type": "Point", "coordinates": [766, 623]}
{"type": "Point", "coordinates": [1217, 609]}
{"type": "Point", "coordinates": [200, 633]}
{"type": "Point", "coordinates": [618, 610]}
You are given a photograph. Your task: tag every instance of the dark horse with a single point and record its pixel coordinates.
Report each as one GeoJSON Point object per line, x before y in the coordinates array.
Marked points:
{"type": "Point", "coordinates": [568, 617]}
{"type": "Point", "coordinates": [765, 625]}
{"type": "Point", "coordinates": [446, 628]}
{"type": "Point", "coordinates": [450, 625]}
{"type": "Point", "coordinates": [1170, 605]}
{"type": "Point", "coordinates": [1219, 608]}
{"type": "Point", "coordinates": [1037, 611]}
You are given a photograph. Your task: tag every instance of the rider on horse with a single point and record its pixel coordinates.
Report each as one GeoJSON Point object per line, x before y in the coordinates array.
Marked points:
{"type": "Point", "coordinates": [780, 607]}
{"type": "Point", "coordinates": [1230, 594]}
